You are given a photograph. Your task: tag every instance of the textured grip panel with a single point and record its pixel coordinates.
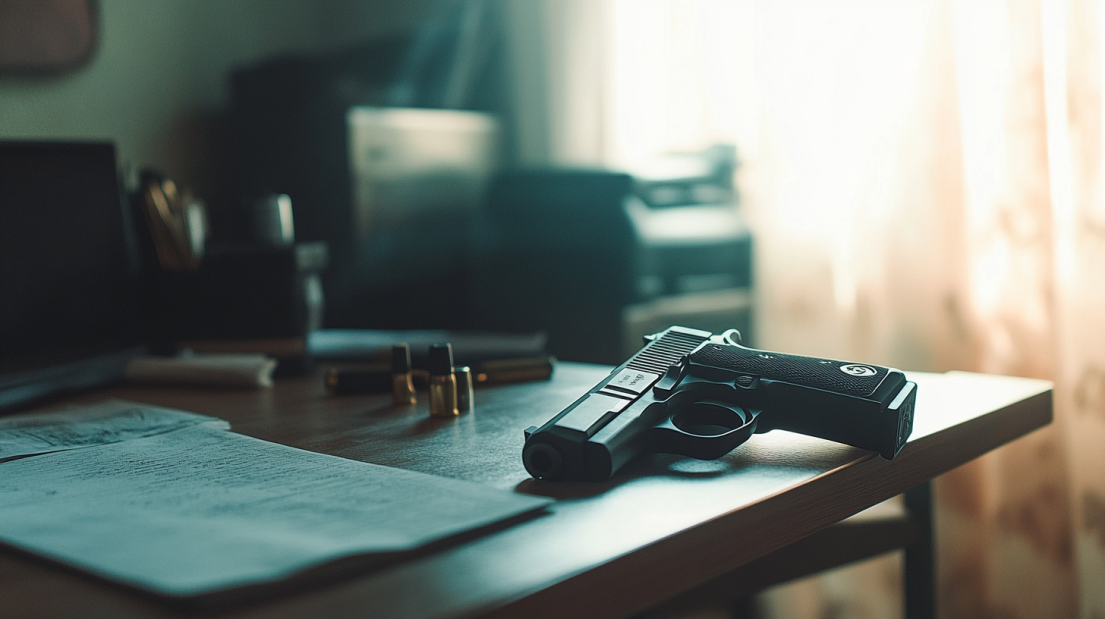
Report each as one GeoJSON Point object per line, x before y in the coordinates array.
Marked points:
{"type": "Point", "coordinates": [855, 379]}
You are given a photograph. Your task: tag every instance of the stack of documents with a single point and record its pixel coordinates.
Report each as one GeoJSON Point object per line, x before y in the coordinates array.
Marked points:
{"type": "Point", "coordinates": [175, 503]}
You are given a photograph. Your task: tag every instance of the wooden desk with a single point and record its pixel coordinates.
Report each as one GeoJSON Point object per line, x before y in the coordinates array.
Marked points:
{"type": "Point", "coordinates": [660, 528]}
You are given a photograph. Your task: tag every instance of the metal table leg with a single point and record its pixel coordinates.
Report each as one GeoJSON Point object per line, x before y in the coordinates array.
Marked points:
{"type": "Point", "coordinates": [920, 561]}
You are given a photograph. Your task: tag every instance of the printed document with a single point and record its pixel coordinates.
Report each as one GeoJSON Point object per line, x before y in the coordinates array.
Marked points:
{"type": "Point", "coordinates": [177, 504]}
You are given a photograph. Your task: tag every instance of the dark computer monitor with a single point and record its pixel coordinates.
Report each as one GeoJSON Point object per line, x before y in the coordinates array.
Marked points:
{"type": "Point", "coordinates": [69, 304]}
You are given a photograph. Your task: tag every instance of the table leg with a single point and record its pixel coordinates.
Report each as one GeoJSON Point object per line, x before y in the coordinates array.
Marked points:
{"type": "Point", "coordinates": [920, 562]}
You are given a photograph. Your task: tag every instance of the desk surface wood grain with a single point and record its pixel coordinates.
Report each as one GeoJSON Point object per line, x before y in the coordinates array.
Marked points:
{"type": "Point", "coordinates": [662, 526]}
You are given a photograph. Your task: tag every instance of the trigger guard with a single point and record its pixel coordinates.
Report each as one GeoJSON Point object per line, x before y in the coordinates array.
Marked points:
{"type": "Point", "coordinates": [667, 437]}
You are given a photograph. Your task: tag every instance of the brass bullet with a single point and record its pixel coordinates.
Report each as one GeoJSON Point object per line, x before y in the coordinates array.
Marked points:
{"type": "Point", "coordinates": [466, 398]}
{"type": "Point", "coordinates": [443, 384]}
{"type": "Point", "coordinates": [402, 388]}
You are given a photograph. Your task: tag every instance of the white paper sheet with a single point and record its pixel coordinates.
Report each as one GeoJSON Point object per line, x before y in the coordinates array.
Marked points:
{"type": "Point", "coordinates": [106, 422]}
{"type": "Point", "coordinates": [200, 509]}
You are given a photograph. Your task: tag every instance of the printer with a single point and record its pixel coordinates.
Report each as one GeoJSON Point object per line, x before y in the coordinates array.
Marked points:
{"type": "Point", "coordinates": [598, 258]}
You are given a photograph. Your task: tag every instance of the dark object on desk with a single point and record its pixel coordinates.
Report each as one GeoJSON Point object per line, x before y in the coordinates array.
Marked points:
{"type": "Point", "coordinates": [244, 300]}
{"type": "Point", "coordinates": [599, 259]}
{"type": "Point", "coordinates": [443, 382]}
{"type": "Point", "coordinates": [70, 316]}
{"type": "Point", "coordinates": [377, 378]}
{"type": "Point", "coordinates": [469, 347]}
{"type": "Point", "coordinates": [699, 395]}
{"type": "Point", "coordinates": [374, 379]}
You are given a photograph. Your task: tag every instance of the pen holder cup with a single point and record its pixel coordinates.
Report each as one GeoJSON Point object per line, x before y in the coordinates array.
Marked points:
{"type": "Point", "coordinates": [244, 300]}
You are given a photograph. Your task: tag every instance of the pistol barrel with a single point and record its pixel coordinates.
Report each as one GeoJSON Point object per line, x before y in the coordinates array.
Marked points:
{"type": "Point", "coordinates": [565, 447]}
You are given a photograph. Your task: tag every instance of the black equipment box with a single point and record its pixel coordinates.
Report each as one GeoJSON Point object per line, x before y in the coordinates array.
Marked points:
{"type": "Point", "coordinates": [599, 259]}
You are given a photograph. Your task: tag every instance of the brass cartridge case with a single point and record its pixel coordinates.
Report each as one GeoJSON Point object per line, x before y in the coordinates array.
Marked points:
{"type": "Point", "coordinates": [443, 396]}
{"type": "Point", "coordinates": [402, 389]}
{"type": "Point", "coordinates": [466, 398]}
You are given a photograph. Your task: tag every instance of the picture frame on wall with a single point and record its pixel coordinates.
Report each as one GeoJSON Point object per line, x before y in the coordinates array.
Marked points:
{"type": "Point", "coordinates": [47, 36]}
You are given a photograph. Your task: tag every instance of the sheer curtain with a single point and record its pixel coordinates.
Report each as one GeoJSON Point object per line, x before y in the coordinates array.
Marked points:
{"type": "Point", "coordinates": [925, 183]}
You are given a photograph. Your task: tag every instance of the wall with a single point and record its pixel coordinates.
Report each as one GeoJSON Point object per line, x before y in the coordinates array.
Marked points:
{"type": "Point", "coordinates": [160, 71]}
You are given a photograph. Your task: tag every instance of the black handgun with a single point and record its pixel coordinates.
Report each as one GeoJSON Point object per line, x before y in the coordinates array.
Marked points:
{"type": "Point", "coordinates": [700, 395]}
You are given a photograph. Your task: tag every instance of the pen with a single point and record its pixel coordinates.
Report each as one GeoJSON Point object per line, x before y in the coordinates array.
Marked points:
{"type": "Point", "coordinates": [362, 380]}
{"type": "Point", "coordinates": [378, 378]}
{"type": "Point", "coordinates": [523, 369]}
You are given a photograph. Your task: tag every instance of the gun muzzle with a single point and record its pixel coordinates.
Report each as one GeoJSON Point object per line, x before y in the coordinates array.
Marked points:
{"type": "Point", "coordinates": [542, 460]}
